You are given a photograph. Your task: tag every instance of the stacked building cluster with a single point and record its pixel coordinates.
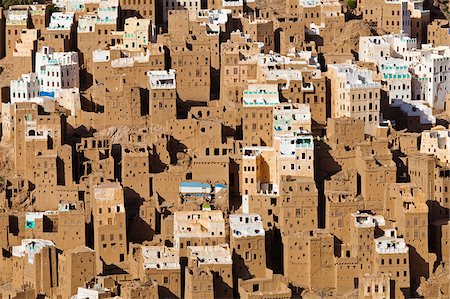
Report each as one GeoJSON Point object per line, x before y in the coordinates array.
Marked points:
{"type": "Point", "coordinates": [224, 149]}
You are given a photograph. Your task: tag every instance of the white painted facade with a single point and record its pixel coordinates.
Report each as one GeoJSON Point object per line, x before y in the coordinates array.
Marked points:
{"type": "Point", "coordinates": [61, 21]}
{"type": "Point", "coordinates": [390, 243]}
{"type": "Point", "coordinates": [25, 88]}
{"type": "Point", "coordinates": [107, 13]}
{"type": "Point", "coordinates": [162, 79]}
{"type": "Point", "coordinates": [394, 54]}
{"type": "Point", "coordinates": [246, 225]}
{"type": "Point", "coordinates": [31, 247]}
{"type": "Point", "coordinates": [57, 70]}
{"type": "Point", "coordinates": [261, 95]}
{"type": "Point", "coordinates": [17, 15]}
{"type": "Point", "coordinates": [430, 69]}
{"type": "Point", "coordinates": [396, 74]}
{"type": "Point", "coordinates": [289, 118]}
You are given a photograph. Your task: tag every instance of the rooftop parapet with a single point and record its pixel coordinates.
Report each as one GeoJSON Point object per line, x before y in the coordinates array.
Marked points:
{"type": "Point", "coordinates": [17, 15]}
{"type": "Point", "coordinates": [355, 78]}
{"type": "Point", "coordinates": [30, 217]}
{"type": "Point", "coordinates": [254, 151]}
{"type": "Point", "coordinates": [290, 142]}
{"type": "Point", "coordinates": [298, 58]}
{"type": "Point", "coordinates": [37, 10]}
{"type": "Point", "coordinates": [437, 132]}
{"type": "Point", "coordinates": [232, 3]}
{"type": "Point", "coordinates": [216, 16]}
{"type": "Point", "coordinates": [108, 11]}
{"type": "Point", "coordinates": [390, 245]}
{"type": "Point", "coordinates": [61, 21]}
{"type": "Point", "coordinates": [393, 1]}
{"type": "Point", "coordinates": [314, 3]}
{"type": "Point", "coordinates": [199, 224]}
{"type": "Point", "coordinates": [67, 206]}
{"type": "Point", "coordinates": [364, 220]}
{"type": "Point", "coordinates": [101, 55]}
{"type": "Point", "coordinates": [261, 95]}
{"type": "Point", "coordinates": [288, 75]}
{"type": "Point", "coordinates": [210, 255]}
{"type": "Point", "coordinates": [86, 23]}
{"type": "Point", "coordinates": [131, 61]}
{"type": "Point", "coordinates": [47, 56]}
{"type": "Point", "coordinates": [162, 79]}
{"type": "Point", "coordinates": [160, 257]}
{"type": "Point", "coordinates": [246, 225]}
{"type": "Point", "coordinates": [286, 115]}
{"type": "Point", "coordinates": [30, 247]}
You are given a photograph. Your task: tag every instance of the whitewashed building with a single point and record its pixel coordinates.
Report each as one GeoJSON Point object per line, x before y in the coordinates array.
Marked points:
{"type": "Point", "coordinates": [25, 88]}
{"type": "Point", "coordinates": [378, 48]}
{"type": "Point", "coordinates": [30, 247]}
{"type": "Point", "coordinates": [430, 68]}
{"type": "Point", "coordinates": [56, 70]}
{"type": "Point", "coordinates": [393, 55]}
{"type": "Point", "coordinates": [107, 13]}
{"type": "Point", "coordinates": [61, 21]}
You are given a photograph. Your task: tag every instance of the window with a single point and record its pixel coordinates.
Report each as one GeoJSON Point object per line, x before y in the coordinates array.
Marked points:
{"type": "Point", "coordinates": [166, 279]}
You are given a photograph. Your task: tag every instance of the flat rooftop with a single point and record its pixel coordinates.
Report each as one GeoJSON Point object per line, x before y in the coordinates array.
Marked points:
{"type": "Point", "coordinates": [246, 225]}
{"type": "Point", "coordinates": [160, 257]}
{"type": "Point", "coordinates": [199, 224]}
{"type": "Point", "coordinates": [209, 255]}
